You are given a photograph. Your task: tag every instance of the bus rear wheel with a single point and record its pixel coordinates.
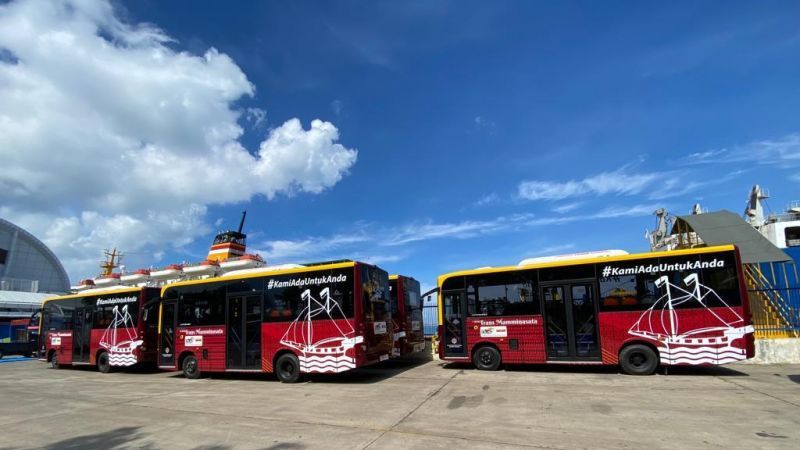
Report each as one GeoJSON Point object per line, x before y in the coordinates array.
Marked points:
{"type": "Point", "coordinates": [103, 363]}
{"type": "Point", "coordinates": [190, 368]}
{"type": "Point", "coordinates": [638, 359]}
{"type": "Point", "coordinates": [486, 358]}
{"type": "Point", "coordinates": [287, 368]}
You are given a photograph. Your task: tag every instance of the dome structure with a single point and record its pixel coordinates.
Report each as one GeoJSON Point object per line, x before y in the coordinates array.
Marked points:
{"type": "Point", "coordinates": [27, 264]}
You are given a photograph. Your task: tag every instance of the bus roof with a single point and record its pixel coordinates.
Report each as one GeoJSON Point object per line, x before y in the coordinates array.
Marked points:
{"type": "Point", "coordinates": [263, 271]}
{"type": "Point", "coordinates": [575, 262]}
{"type": "Point", "coordinates": [396, 276]}
{"type": "Point", "coordinates": [98, 291]}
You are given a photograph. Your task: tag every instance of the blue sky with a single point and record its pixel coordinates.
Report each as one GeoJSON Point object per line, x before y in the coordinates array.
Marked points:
{"type": "Point", "coordinates": [485, 132]}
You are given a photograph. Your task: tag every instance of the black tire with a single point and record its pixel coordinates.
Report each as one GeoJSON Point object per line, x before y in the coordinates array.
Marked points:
{"type": "Point", "coordinates": [191, 369]}
{"type": "Point", "coordinates": [486, 358]}
{"type": "Point", "coordinates": [103, 364]}
{"type": "Point", "coordinates": [1, 354]}
{"type": "Point", "coordinates": [54, 361]}
{"type": "Point", "coordinates": [287, 368]}
{"type": "Point", "coordinates": [638, 359]}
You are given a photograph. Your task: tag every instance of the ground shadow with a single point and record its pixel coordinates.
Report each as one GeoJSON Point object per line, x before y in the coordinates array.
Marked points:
{"type": "Point", "coordinates": [363, 375]}
{"type": "Point", "coordinates": [133, 437]}
{"type": "Point", "coordinates": [715, 371]}
{"type": "Point", "coordinates": [373, 373]}
{"type": "Point", "coordinates": [794, 378]}
{"type": "Point", "coordinates": [137, 369]}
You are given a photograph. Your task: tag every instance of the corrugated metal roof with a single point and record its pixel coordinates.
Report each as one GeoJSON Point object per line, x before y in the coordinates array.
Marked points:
{"type": "Point", "coordinates": [725, 227]}
{"type": "Point", "coordinates": [32, 298]}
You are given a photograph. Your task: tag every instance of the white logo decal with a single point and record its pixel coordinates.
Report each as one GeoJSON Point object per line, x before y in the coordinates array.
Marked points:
{"type": "Point", "coordinates": [325, 354]}
{"type": "Point", "coordinates": [118, 338]}
{"type": "Point", "coordinates": [193, 341]}
{"type": "Point", "coordinates": [609, 271]}
{"type": "Point", "coordinates": [705, 345]}
{"type": "Point", "coordinates": [494, 332]}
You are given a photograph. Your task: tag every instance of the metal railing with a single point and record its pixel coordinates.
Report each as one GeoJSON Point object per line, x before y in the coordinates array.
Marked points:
{"type": "Point", "coordinates": [430, 318]}
{"type": "Point", "coordinates": [775, 310]}
{"type": "Point", "coordinates": [773, 322]}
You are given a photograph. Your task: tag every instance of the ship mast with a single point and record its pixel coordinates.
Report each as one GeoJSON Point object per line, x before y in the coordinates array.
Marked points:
{"type": "Point", "coordinates": [112, 262]}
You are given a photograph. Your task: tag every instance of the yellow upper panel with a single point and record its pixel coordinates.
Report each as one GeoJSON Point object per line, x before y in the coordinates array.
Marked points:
{"type": "Point", "coordinates": [575, 262]}
{"type": "Point", "coordinates": [341, 265]}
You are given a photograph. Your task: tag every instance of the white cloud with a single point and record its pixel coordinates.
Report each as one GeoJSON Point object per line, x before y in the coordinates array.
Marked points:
{"type": "Point", "coordinates": [376, 244]}
{"type": "Point", "coordinates": [551, 250]}
{"type": "Point", "coordinates": [423, 231]}
{"type": "Point", "coordinates": [783, 152]}
{"type": "Point", "coordinates": [337, 106]}
{"type": "Point", "coordinates": [482, 123]}
{"type": "Point", "coordinates": [618, 182]}
{"type": "Point", "coordinates": [488, 199]}
{"type": "Point", "coordinates": [309, 247]}
{"type": "Point", "coordinates": [567, 207]}
{"type": "Point", "coordinates": [113, 138]}
{"type": "Point", "coordinates": [256, 116]}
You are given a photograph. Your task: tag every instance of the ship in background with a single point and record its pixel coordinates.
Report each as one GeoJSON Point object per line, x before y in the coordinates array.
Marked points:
{"type": "Point", "coordinates": [782, 230]}
{"type": "Point", "coordinates": [770, 249]}
{"type": "Point", "coordinates": [226, 255]}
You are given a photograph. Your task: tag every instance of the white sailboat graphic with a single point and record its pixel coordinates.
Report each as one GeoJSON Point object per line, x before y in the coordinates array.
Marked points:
{"type": "Point", "coordinates": [705, 345]}
{"type": "Point", "coordinates": [328, 354]}
{"type": "Point", "coordinates": [120, 352]}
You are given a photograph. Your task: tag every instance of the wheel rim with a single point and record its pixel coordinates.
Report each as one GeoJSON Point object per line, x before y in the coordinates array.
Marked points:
{"type": "Point", "coordinates": [287, 369]}
{"type": "Point", "coordinates": [191, 367]}
{"type": "Point", "coordinates": [638, 359]}
{"type": "Point", "coordinates": [486, 358]}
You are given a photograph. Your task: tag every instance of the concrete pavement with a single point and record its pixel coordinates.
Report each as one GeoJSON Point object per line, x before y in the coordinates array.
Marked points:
{"type": "Point", "coordinates": [411, 404]}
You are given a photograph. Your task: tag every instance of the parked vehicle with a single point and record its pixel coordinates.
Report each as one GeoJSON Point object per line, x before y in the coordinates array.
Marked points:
{"type": "Point", "coordinates": [682, 307]}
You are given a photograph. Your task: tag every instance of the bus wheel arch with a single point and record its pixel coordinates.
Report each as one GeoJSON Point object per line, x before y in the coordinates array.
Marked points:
{"type": "Point", "coordinates": [103, 362]}
{"type": "Point", "coordinates": [486, 356]}
{"type": "Point", "coordinates": [638, 358]}
{"type": "Point", "coordinates": [189, 364]}
{"type": "Point", "coordinates": [286, 366]}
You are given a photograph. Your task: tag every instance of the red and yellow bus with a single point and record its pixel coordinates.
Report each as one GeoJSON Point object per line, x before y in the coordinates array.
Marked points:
{"type": "Point", "coordinates": [640, 311]}
{"type": "Point", "coordinates": [288, 320]}
{"type": "Point", "coordinates": [107, 328]}
{"type": "Point", "coordinates": [406, 315]}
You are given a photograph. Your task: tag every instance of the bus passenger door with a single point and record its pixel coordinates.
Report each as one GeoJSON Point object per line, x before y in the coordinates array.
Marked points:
{"type": "Point", "coordinates": [81, 334]}
{"type": "Point", "coordinates": [454, 326]}
{"type": "Point", "coordinates": [570, 311]}
{"type": "Point", "coordinates": [166, 343]}
{"type": "Point", "coordinates": [244, 333]}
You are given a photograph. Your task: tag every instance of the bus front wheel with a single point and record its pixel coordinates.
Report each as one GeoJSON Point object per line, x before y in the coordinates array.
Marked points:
{"type": "Point", "coordinates": [103, 363]}
{"type": "Point", "coordinates": [54, 361]}
{"type": "Point", "coordinates": [287, 368]}
{"type": "Point", "coordinates": [190, 368]}
{"type": "Point", "coordinates": [486, 358]}
{"type": "Point", "coordinates": [638, 359]}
